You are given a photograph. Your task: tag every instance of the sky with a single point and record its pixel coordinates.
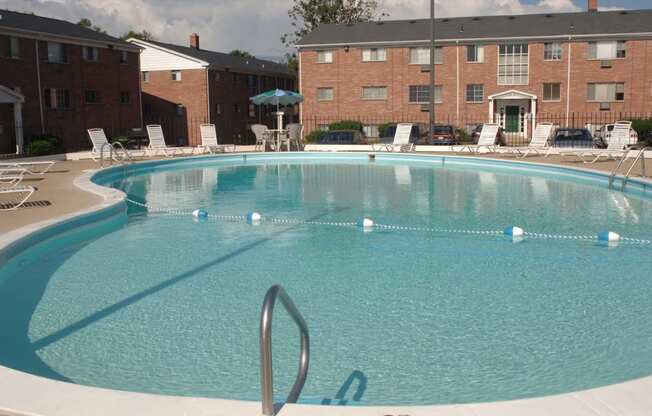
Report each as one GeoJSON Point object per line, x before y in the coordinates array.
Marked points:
{"type": "Point", "coordinates": [256, 25]}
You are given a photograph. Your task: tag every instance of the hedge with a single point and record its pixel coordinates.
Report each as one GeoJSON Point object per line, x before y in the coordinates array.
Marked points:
{"type": "Point", "coordinates": [346, 125]}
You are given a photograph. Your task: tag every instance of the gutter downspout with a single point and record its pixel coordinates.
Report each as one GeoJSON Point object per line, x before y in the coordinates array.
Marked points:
{"type": "Point", "coordinates": [300, 87]}
{"type": "Point", "coordinates": [140, 93]}
{"type": "Point", "coordinates": [38, 83]}
{"type": "Point", "coordinates": [208, 96]}
{"type": "Point", "coordinates": [457, 79]}
{"type": "Point", "coordinates": [568, 79]}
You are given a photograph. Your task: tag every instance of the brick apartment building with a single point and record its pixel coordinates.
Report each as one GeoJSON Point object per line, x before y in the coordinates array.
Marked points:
{"type": "Point", "coordinates": [184, 86]}
{"type": "Point", "coordinates": [515, 70]}
{"type": "Point", "coordinates": [59, 78]}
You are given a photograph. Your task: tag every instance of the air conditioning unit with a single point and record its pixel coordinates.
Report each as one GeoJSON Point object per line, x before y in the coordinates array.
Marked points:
{"type": "Point", "coordinates": [425, 68]}
{"type": "Point", "coordinates": [425, 108]}
{"type": "Point", "coordinates": [605, 64]}
{"type": "Point", "coordinates": [605, 106]}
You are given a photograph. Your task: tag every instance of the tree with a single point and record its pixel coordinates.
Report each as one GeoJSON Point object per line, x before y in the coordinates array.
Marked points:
{"type": "Point", "coordinates": [86, 22]}
{"type": "Point", "coordinates": [241, 53]}
{"type": "Point", "coordinates": [290, 59]}
{"type": "Point", "coordinates": [143, 35]}
{"type": "Point", "coordinates": [307, 15]}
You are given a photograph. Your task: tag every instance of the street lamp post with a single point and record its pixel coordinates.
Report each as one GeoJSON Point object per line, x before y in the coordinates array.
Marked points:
{"type": "Point", "coordinates": [431, 88]}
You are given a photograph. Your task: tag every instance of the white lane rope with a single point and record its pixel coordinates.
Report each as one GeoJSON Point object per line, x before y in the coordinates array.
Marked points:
{"type": "Point", "coordinates": [344, 224]}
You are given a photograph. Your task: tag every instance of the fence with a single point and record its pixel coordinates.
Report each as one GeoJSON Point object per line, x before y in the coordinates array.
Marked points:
{"type": "Point", "coordinates": [517, 132]}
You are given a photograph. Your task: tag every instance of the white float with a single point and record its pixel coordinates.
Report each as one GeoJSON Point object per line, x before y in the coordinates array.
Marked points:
{"type": "Point", "coordinates": [254, 218]}
{"type": "Point", "coordinates": [514, 232]}
{"type": "Point", "coordinates": [366, 223]}
{"type": "Point", "coordinates": [609, 236]}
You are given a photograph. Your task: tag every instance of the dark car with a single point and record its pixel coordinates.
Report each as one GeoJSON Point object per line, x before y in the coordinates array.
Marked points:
{"type": "Point", "coordinates": [573, 138]}
{"type": "Point", "coordinates": [343, 137]}
{"type": "Point", "coordinates": [500, 136]}
{"type": "Point", "coordinates": [443, 135]}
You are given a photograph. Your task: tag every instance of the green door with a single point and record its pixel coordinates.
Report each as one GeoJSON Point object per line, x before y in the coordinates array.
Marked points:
{"type": "Point", "coordinates": [512, 116]}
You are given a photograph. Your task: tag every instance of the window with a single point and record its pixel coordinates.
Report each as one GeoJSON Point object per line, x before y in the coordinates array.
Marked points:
{"type": "Point", "coordinates": [56, 52]}
{"type": "Point", "coordinates": [145, 76]}
{"type": "Point", "coordinates": [374, 93]}
{"type": "Point", "coordinates": [552, 51]}
{"type": "Point", "coordinates": [252, 110]}
{"type": "Point", "coordinates": [235, 77]}
{"type": "Point", "coordinates": [125, 98]}
{"type": "Point", "coordinates": [218, 76]}
{"type": "Point", "coordinates": [421, 56]}
{"type": "Point", "coordinates": [420, 94]}
{"type": "Point", "coordinates": [124, 57]}
{"type": "Point", "coordinates": [474, 93]}
{"type": "Point", "coordinates": [56, 98]}
{"type": "Point", "coordinates": [474, 53]}
{"type": "Point", "coordinates": [607, 50]}
{"type": "Point", "coordinates": [607, 92]}
{"type": "Point", "coordinates": [374, 55]}
{"type": "Point", "coordinates": [325, 94]}
{"type": "Point", "coordinates": [513, 64]}
{"type": "Point", "coordinates": [92, 97]}
{"type": "Point", "coordinates": [551, 92]}
{"type": "Point", "coordinates": [180, 110]}
{"type": "Point", "coordinates": [218, 109]}
{"type": "Point", "coordinates": [176, 75]}
{"type": "Point", "coordinates": [236, 108]}
{"type": "Point", "coordinates": [324, 57]}
{"type": "Point", "coordinates": [90, 53]}
{"type": "Point", "coordinates": [14, 48]}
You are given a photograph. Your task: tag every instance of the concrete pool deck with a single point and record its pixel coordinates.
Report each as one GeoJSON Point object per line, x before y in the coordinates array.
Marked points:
{"type": "Point", "coordinates": [22, 394]}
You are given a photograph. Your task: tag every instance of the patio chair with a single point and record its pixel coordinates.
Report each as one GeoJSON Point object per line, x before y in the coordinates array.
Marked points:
{"type": "Point", "coordinates": [157, 142]}
{"type": "Point", "coordinates": [262, 136]}
{"type": "Point", "coordinates": [538, 144]}
{"type": "Point", "coordinates": [100, 144]}
{"type": "Point", "coordinates": [209, 142]}
{"type": "Point", "coordinates": [616, 148]}
{"type": "Point", "coordinates": [31, 168]}
{"type": "Point", "coordinates": [294, 133]}
{"type": "Point", "coordinates": [14, 198]}
{"type": "Point", "coordinates": [401, 140]}
{"type": "Point", "coordinates": [487, 139]}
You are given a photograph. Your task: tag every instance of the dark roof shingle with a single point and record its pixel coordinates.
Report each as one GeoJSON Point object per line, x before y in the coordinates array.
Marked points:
{"type": "Point", "coordinates": [484, 27]}
{"type": "Point", "coordinates": [38, 24]}
{"type": "Point", "coordinates": [225, 60]}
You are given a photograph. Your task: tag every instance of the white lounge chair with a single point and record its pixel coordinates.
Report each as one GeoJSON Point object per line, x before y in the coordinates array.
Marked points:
{"type": "Point", "coordinates": [401, 140]}
{"type": "Point", "coordinates": [13, 198]}
{"type": "Point", "coordinates": [262, 136]}
{"type": "Point", "coordinates": [11, 177]}
{"type": "Point", "coordinates": [31, 168]}
{"type": "Point", "coordinates": [487, 139]}
{"type": "Point", "coordinates": [101, 144]}
{"type": "Point", "coordinates": [157, 142]}
{"type": "Point", "coordinates": [616, 148]}
{"type": "Point", "coordinates": [538, 144]}
{"type": "Point", "coordinates": [209, 140]}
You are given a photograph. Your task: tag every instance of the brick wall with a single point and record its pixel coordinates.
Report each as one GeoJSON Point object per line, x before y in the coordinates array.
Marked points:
{"type": "Point", "coordinates": [108, 77]}
{"type": "Point", "coordinates": [348, 74]}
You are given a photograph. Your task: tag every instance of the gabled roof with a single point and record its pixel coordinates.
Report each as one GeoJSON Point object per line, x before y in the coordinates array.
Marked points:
{"type": "Point", "coordinates": [30, 24]}
{"type": "Point", "coordinates": [583, 24]}
{"type": "Point", "coordinates": [223, 60]}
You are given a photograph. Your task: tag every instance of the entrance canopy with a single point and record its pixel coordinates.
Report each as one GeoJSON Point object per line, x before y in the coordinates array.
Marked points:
{"type": "Point", "coordinates": [513, 109]}
{"type": "Point", "coordinates": [9, 96]}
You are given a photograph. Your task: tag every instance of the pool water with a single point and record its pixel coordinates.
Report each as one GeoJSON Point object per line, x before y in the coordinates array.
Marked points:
{"type": "Point", "coordinates": [164, 304]}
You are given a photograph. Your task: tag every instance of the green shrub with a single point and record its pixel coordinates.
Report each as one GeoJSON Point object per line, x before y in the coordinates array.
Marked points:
{"type": "Point", "coordinates": [41, 147]}
{"type": "Point", "coordinates": [50, 138]}
{"type": "Point", "coordinates": [315, 136]}
{"type": "Point", "coordinates": [643, 127]}
{"type": "Point", "coordinates": [346, 125]}
{"type": "Point", "coordinates": [384, 128]}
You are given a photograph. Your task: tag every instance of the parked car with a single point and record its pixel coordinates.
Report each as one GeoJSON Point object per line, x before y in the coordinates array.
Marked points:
{"type": "Point", "coordinates": [567, 137]}
{"type": "Point", "coordinates": [343, 137]}
{"type": "Point", "coordinates": [603, 136]}
{"type": "Point", "coordinates": [444, 134]}
{"type": "Point", "coordinates": [500, 136]}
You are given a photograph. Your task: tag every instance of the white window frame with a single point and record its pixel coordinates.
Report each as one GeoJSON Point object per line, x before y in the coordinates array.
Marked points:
{"type": "Point", "coordinates": [325, 89]}
{"type": "Point", "coordinates": [325, 56]}
{"type": "Point", "coordinates": [615, 45]}
{"type": "Point", "coordinates": [175, 75]}
{"type": "Point", "coordinates": [596, 99]}
{"type": "Point", "coordinates": [515, 79]}
{"type": "Point", "coordinates": [56, 52]}
{"type": "Point", "coordinates": [439, 97]}
{"type": "Point", "coordinates": [14, 47]}
{"type": "Point", "coordinates": [124, 57]}
{"type": "Point", "coordinates": [375, 97]}
{"type": "Point", "coordinates": [90, 53]}
{"type": "Point", "coordinates": [145, 76]}
{"type": "Point", "coordinates": [423, 55]}
{"type": "Point", "coordinates": [479, 54]}
{"type": "Point", "coordinates": [555, 49]}
{"type": "Point", "coordinates": [466, 95]}
{"type": "Point", "coordinates": [551, 100]}
{"type": "Point", "coordinates": [374, 55]}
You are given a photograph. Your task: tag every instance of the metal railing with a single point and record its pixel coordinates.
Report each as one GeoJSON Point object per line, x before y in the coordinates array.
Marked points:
{"type": "Point", "coordinates": [266, 373]}
{"type": "Point", "coordinates": [118, 146]}
{"type": "Point", "coordinates": [639, 156]}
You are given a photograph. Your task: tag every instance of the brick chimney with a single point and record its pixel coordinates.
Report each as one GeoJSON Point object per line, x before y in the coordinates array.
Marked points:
{"type": "Point", "coordinates": [593, 5]}
{"type": "Point", "coordinates": [194, 40]}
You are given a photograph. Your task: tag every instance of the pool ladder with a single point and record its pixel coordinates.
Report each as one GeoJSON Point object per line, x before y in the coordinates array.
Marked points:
{"type": "Point", "coordinates": [267, 384]}
{"type": "Point", "coordinates": [640, 156]}
{"type": "Point", "coordinates": [118, 147]}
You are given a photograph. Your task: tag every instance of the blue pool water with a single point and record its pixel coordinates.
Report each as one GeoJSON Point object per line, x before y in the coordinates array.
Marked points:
{"type": "Point", "coordinates": [163, 304]}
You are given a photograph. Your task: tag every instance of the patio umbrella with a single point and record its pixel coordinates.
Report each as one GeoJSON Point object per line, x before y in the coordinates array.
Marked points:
{"type": "Point", "coordinates": [278, 98]}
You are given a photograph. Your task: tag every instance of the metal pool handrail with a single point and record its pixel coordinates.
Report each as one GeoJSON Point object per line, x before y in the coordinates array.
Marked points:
{"type": "Point", "coordinates": [639, 156]}
{"type": "Point", "coordinates": [267, 384]}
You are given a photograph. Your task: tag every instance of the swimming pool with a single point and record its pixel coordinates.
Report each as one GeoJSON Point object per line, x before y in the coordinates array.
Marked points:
{"type": "Point", "coordinates": [408, 314]}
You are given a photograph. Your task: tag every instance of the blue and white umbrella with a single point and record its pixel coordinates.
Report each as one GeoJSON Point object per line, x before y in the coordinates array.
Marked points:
{"type": "Point", "coordinates": [278, 98]}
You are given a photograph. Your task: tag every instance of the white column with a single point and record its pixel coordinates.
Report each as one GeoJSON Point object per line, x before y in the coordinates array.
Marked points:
{"type": "Point", "coordinates": [18, 122]}
{"type": "Point", "coordinates": [491, 111]}
{"type": "Point", "coordinates": [534, 114]}
{"type": "Point", "coordinates": [525, 120]}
